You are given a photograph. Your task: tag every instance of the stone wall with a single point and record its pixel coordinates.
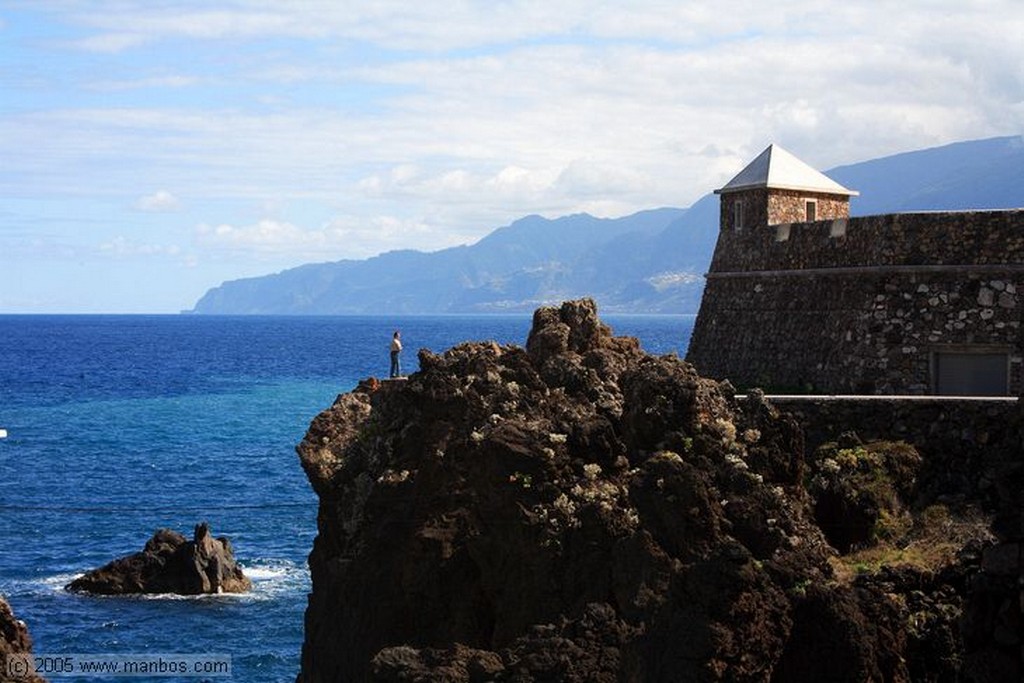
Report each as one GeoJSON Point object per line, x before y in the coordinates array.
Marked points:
{"type": "Point", "coordinates": [790, 206]}
{"type": "Point", "coordinates": [862, 305]}
{"type": "Point", "coordinates": [901, 239]}
{"type": "Point", "coordinates": [763, 207]}
{"type": "Point", "coordinates": [939, 427]}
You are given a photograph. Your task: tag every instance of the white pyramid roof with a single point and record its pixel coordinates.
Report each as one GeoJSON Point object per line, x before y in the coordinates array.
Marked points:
{"type": "Point", "coordinates": [778, 169]}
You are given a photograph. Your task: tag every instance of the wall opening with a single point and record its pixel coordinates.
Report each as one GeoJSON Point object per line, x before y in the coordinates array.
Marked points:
{"type": "Point", "coordinates": [737, 214]}
{"type": "Point", "coordinates": [971, 374]}
{"type": "Point", "coordinates": [810, 210]}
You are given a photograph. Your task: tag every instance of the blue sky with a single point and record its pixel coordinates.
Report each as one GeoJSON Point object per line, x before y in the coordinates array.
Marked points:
{"type": "Point", "coordinates": [152, 150]}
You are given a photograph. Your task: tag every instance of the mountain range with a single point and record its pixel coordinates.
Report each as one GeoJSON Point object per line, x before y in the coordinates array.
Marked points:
{"type": "Point", "coordinates": [649, 262]}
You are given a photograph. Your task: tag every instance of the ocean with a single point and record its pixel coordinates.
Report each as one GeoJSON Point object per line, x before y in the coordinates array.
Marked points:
{"type": "Point", "coordinates": [121, 425]}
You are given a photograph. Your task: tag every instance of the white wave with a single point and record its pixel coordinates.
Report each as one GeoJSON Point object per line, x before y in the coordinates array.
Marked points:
{"type": "Point", "coordinates": [270, 578]}
{"type": "Point", "coordinates": [175, 596]}
{"type": "Point", "coordinates": [257, 573]}
{"type": "Point", "coordinates": [58, 581]}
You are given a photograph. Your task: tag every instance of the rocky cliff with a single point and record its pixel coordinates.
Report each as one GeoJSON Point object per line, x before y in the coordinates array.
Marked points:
{"type": "Point", "coordinates": [579, 510]}
{"type": "Point", "coordinates": [15, 645]}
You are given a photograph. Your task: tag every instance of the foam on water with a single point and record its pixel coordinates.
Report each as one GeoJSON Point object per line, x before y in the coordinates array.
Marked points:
{"type": "Point", "coordinates": [275, 578]}
{"type": "Point", "coordinates": [58, 581]}
{"type": "Point", "coordinates": [270, 579]}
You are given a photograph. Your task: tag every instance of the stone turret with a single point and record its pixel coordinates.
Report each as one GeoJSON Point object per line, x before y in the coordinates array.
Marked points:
{"type": "Point", "coordinates": [802, 298]}
{"type": "Point", "coordinates": [775, 188]}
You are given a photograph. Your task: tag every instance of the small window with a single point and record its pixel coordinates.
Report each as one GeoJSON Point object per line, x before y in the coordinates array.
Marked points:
{"type": "Point", "coordinates": [737, 214]}
{"type": "Point", "coordinates": [811, 210]}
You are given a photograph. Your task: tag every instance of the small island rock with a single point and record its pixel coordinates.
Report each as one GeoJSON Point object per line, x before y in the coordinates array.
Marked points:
{"type": "Point", "coordinates": [170, 564]}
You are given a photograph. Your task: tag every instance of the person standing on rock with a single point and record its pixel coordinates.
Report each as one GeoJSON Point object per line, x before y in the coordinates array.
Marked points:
{"type": "Point", "coordinates": [396, 355]}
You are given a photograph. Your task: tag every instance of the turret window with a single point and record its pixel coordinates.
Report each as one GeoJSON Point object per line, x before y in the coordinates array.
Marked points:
{"type": "Point", "coordinates": [737, 214]}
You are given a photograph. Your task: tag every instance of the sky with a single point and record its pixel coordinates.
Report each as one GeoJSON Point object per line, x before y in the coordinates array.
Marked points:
{"type": "Point", "coordinates": [150, 150]}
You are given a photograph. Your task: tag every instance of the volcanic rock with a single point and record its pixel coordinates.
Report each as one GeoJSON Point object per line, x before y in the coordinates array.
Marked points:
{"type": "Point", "coordinates": [15, 643]}
{"type": "Point", "coordinates": [170, 564]}
{"type": "Point", "coordinates": [579, 510]}
{"type": "Point", "coordinates": [855, 486]}
{"type": "Point", "coordinates": [993, 619]}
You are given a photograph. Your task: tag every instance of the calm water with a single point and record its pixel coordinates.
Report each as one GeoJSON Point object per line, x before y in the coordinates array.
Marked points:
{"type": "Point", "coordinates": [120, 425]}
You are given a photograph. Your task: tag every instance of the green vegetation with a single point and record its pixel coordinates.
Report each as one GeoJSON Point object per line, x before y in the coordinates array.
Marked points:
{"type": "Point", "coordinates": [928, 542]}
{"type": "Point", "coordinates": [863, 500]}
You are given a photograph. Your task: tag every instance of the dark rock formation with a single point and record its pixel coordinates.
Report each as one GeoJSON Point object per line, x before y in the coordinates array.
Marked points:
{"type": "Point", "coordinates": [170, 564]}
{"type": "Point", "coordinates": [971, 458]}
{"type": "Point", "coordinates": [993, 620]}
{"type": "Point", "coordinates": [15, 642]}
{"type": "Point", "coordinates": [581, 511]}
{"type": "Point", "coordinates": [860, 489]}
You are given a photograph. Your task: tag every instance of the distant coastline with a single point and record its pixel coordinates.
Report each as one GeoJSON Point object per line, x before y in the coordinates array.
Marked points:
{"type": "Point", "coordinates": [650, 262]}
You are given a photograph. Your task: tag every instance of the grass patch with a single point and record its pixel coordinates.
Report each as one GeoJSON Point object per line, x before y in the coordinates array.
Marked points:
{"type": "Point", "coordinates": [929, 540]}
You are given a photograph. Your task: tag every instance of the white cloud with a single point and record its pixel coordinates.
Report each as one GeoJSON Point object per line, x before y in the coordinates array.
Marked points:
{"type": "Point", "coordinates": [111, 42]}
{"type": "Point", "coordinates": [441, 27]}
{"type": "Point", "coordinates": [426, 125]}
{"type": "Point", "coordinates": [152, 82]}
{"type": "Point", "coordinates": [264, 236]}
{"type": "Point", "coordinates": [159, 201]}
{"type": "Point", "coordinates": [583, 178]}
{"type": "Point", "coordinates": [515, 183]}
{"type": "Point", "coordinates": [133, 24]}
{"type": "Point", "coordinates": [340, 238]}
{"type": "Point", "coordinates": [122, 248]}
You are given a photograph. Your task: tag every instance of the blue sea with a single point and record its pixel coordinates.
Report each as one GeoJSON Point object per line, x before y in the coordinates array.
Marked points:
{"type": "Point", "coordinates": [121, 425]}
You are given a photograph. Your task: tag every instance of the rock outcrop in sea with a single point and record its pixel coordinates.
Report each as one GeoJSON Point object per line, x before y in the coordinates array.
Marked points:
{"type": "Point", "coordinates": [169, 563]}
{"type": "Point", "coordinates": [580, 510]}
{"type": "Point", "coordinates": [16, 642]}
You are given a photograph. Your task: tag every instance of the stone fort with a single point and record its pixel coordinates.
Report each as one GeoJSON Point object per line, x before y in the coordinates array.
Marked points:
{"type": "Point", "coordinates": [802, 298]}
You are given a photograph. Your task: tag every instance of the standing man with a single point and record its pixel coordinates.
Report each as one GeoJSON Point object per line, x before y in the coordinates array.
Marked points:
{"type": "Point", "coordinates": [396, 353]}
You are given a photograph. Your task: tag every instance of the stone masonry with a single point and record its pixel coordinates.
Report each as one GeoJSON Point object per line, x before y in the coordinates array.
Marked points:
{"type": "Point", "coordinates": [764, 207]}
{"type": "Point", "coordinates": [861, 305]}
